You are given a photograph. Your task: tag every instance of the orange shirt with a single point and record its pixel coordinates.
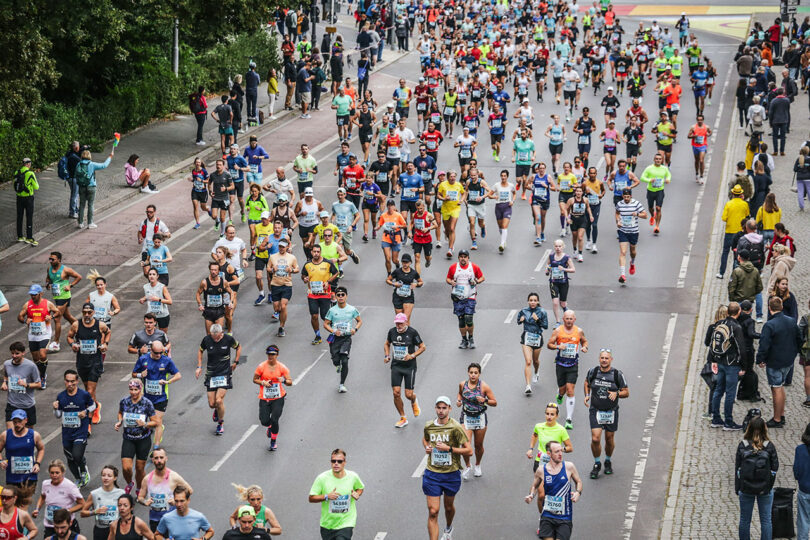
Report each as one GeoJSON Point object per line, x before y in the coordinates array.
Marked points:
{"type": "Point", "coordinates": [398, 224]}
{"type": "Point", "coordinates": [352, 94]}
{"type": "Point", "coordinates": [673, 93]}
{"type": "Point", "coordinates": [276, 375]}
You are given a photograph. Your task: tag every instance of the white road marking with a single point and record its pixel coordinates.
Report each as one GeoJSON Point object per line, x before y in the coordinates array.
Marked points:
{"type": "Point", "coordinates": [306, 370]}
{"type": "Point", "coordinates": [420, 468]}
{"type": "Point", "coordinates": [646, 436]}
{"type": "Point", "coordinates": [485, 360]}
{"type": "Point", "coordinates": [542, 262]}
{"type": "Point", "coordinates": [699, 200]}
{"type": "Point", "coordinates": [380, 536]}
{"type": "Point", "coordinates": [233, 448]}
{"type": "Point", "coordinates": [51, 436]}
{"type": "Point", "coordinates": [509, 317]}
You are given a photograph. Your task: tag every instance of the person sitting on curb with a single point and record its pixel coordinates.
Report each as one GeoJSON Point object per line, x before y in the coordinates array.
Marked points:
{"type": "Point", "coordinates": [136, 178]}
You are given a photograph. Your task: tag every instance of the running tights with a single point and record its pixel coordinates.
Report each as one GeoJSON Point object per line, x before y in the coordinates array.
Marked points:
{"type": "Point", "coordinates": [74, 452]}
{"type": "Point", "coordinates": [270, 413]}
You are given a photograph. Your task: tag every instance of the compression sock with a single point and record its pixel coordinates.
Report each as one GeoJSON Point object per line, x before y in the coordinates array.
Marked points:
{"type": "Point", "coordinates": [503, 236]}
{"type": "Point", "coordinates": [596, 460]}
{"type": "Point", "coordinates": [562, 221]}
{"type": "Point", "coordinates": [621, 271]}
{"type": "Point", "coordinates": [607, 458]}
{"type": "Point", "coordinates": [569, 407]}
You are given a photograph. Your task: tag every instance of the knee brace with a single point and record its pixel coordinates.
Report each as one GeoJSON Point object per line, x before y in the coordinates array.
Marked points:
{"type": "Point", "coordinates": [468, 320]}
{"type": "Point", "coordinates": [462, 321]}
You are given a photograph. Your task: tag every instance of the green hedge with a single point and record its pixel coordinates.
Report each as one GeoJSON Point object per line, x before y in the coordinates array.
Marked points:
{"type": "Point", "coordinates": [156, 92]}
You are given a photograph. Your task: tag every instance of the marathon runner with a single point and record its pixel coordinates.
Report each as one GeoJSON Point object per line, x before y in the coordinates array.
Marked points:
{"type": "Point", "coordinates": [102, 503]}
{"type": "Point", "coordinates": [594, 190]}
{"type": "Point", "coordinates": [523, 155]}
{"type": "Point", "coordinates": [543, 433]}
{"type": "Point", "coordinates": [699, 135]}
{"type": "Point", "coordinates": [621, 179]}
{"type": "Point", "coordinates": [552, 485]}
{"type": "Point", "coordinates": [345, 215]}
{"type": "Point", "coordinates": [282, 265]}
{"type": "Point", "coordinates": [474, 397]}
{"type": "Point", "coordinates": [394, 229]}
{"type": "Point", "coordinates": [534, 321]}
{"type": "Point", "coordinates": [264, 517]}
{"type": "Point", "coordinates": [404, 279]}
{"type": "Point", "coordinates": [656, 176]}
{"type": "Point", "coordinates": [218, 371]}
{"type": "Point", "coordinates": [104, 302]}
{"type": "Point", "coordinates": [583, 127]}
{"type": "Point", "coordinates": [608, 385]}
{"type": "Point", "coordinates": [157, 298]}
{"type": "Point", "coordinates": [157, 488]}
{"type": "Point", "coordinates": [270, 375]}
{"type": "Point", "coordinates": [402, 345]}
{"type": "Point", "coordinates": [568, 340]}
{"type": "Point", "coordinates": [141, 341]}
{"type": "Point", "coordinates": [541, 185]}
{"type": "Point", "coordinates": [158, 371]}
{"type": "Point", "coordinates": [39, 315]}
{"type": "Point", "coordinates": [559, 266]}
{"type": "Point", "coordinates": [89, 338]}
{"type": "Point", "coordinates": [477, 193]}
{"type": "Point", "coordinates": [578, 215]}
{"type": "Point", "coordinates": [464, 277]}
{"type": "Point", "coordinates": [633, 136]}
{"type": "Point", "coordinates": [451, 195]}
{"type": "Point", "coordinates": [665, 136]}
{"type": "Point", "coordinates": [211, 296]}
{"type": "Point", "coordinates": [74, 407]}
{"type": "Point", "coordinates": [504, 194]}
{"type": "Point", "coordinates": [319, 275]}
{"type": "Point", "coordinates": [628, 212]}
{"type": "Point", "coordinates": [15, 522]}
{"type": "Point", "coordinates": [423, 222]}
{"type": "Point", "coordinates": [342, 321]}
{"type": "Point", "coordinates": [337, 491]}
{"type": "Point", "coordinates": [137, 416]}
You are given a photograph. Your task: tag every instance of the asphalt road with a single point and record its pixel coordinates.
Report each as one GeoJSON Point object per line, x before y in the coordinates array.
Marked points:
{"type": "Point", "coordinates": [647, 324]}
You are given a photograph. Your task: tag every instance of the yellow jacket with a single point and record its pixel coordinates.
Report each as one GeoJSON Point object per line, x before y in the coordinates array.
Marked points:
{"type": "Point", "coordinates": [734, 212]}
{"type": "Point", "coordinates": [768, 219]}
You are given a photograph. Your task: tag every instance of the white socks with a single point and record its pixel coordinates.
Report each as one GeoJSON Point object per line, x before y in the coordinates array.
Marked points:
{"type": "Point", "coordinates": [569, 407]}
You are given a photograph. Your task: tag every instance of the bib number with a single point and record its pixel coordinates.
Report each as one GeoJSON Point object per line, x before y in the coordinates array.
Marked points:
{"type": "Point", "coordinates": [593, 199]}
{"type": "Point", "coordinates": [404, 290]}
{"type": "Point", "coordinates": [554, 504]}
{"type": "Point", "coordinates": [153, 387]}
{"type": "Point", "coordinates": [22, 464]}
{"type": "Point", "coordinates": [219, 381]}
{"type": "Point", "coordinates": [474, 422]}
{"type": "Point", "coordinates": [541, 193]}
{"type": "Point", "coordinates": [569, 351]}
{"type": "Point", "coordinates": [131, 419]}
{"type": "Point", "coordinates": [440, 459]}
{"type": "Point", "coordinates": [658, 182]}
{"type": "Point", "coordinates": [159, 502]}
{"type": "Point", "coordinates": [557, 273]}
{"type": "Point", "coordinates": [605, 417]}
{"type": "Point", "coordinates": [533, 339]}
{"type": "Point", "coordinates": [627, 221]}
{"type": "Point", "coordinates": [271, 392]}
{"type": "Point", "coordinates": [214, 300]}
{"type": "Point", "coordinates": [37, 328]}
{"type": "Point", "coordinates": [399, 352]}
{"type": "Point", "coordinates": [584, 139]}
{"type": "Point", "coordinates": [71, 419]}
{"type": "Point", "coordinates": [88, 346]}
{"type": "Point", "coordinates": [340, 505]}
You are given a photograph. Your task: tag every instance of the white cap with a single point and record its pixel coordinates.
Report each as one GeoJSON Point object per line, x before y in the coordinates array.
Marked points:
{"type": "Point", "coordinates": [610, 88]}
{"type": "Point", "coordinates": [309, 191]}
{"type": "Point", "coordinates": [265, 215]}
{"type": "Point", "coordinates": [444, 399]}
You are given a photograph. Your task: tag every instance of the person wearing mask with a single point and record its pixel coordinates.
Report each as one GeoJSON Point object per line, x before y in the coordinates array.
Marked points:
{"type": "Point", "coordinates": [86, 180]}
{"type": "Point", "coordinates": [751, 483]}
{"type": "Point", "coordinates": [25, 184]}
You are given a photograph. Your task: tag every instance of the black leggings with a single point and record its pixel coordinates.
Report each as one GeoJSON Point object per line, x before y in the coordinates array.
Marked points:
{"type": "Point", "coordinates": [74, 452]}
{"type": "Point", "coordinates": [200, 123]}
{"type": "Point", "coordinates": [741, 113]}
{"type": "Point", "coordinates": [270, 413]}
{"type": "Point", "coordinates": [25, 211]}
{"type": "Point", "coordinates": [592, 228]}
{"type": "Point", "coordinates": [339, 350]}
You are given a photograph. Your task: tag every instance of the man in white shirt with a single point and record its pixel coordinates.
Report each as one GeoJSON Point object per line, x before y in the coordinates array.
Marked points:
{"type": "Point", "coordinates": [147, 230]}
{"type": "Point", "coordinates": [408, 138]}
{"type": "Point", "coordinates": [280, 184]}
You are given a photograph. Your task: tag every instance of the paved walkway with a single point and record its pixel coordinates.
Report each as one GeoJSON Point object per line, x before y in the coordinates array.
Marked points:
{"type": "Point", "coordinates": [166, 147]}
{"type": "Point", "coordinates": [701, 500]}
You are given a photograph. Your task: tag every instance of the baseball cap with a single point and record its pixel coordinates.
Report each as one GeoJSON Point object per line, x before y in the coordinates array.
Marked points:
{"type": "Point", "coordinates": [236, 146]}
{"type": "Point", "coordinates": [309, 191]}
{"type": "Point", "coordinates": [440, 173]}
{"type": "Point", "coordinates": [245, 510]}
{"type": "Point", "coordinates": [440, 399]}
{"type": "Point", "coordinates": [26, 160]}
{"type": "Point", "coordinates": [406, 257]}
{"type": "Point", "coordinates": [401, 318]}
{"type": "Point", "coordinates": [19, 414]}
{"type": "Point", "coordinates": [464, 252]}
{"type": "Point", "coordinates": [525, 100]}
{"type": "Point", "coordinates": [265, 215]}
{"type": "Point", "coordinates": [341, 190]}
{"type": "Point", "coordinates": [271, 349]}
{"type": "Point", "coordinates": [323, 213]}
{"type": "Point", "coordinates": [610, 88]}
{"type": "Point", "coordinates": [35, 289]}
{"type": "Point", "coordinates": [282, 197]}
{"type": "Point", "coordinates": [390, 105]}
{"type": "Point", "coordinates": [88, 305]}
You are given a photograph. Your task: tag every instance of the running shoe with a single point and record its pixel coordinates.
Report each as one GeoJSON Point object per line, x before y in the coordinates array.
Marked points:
{"type": "Point", "coordinates": [365, 238]}
{"type": "Point", "coordinates": [259, 300]}
{"type": "Point", "coordinates": [470, 343]}
{"type": "Point", "coordinates": [401, 423]}
{"type": "Point", "coordinates": [528, 390]}
{"type": "Point", "coordinates": [523, 196]}
{"type": "Point", "coordinates": [537, 241]}
{"type": "Point", "coordinates": [415, 406]}
{"type": "Point", "coordinates": [579, 257]}
{"type": "Point", "coordinates": [21, 239]}
{"type": "Point", "coordinates": [593, 249]}
{"type": "Point", "coordinates": [84, 480]}
{"type": "Point", "coordinates": [439, 244]}
{"type": "Point", "coordinates": [595, 471]}
{"type": "Point", "coordinates": [652, 218]}
{"type": "Point", "coordinates": [608, 467]}
{"type": "Point", "coordinates": [97, 414]}
{"type": "Point", "coordinates": [535, 378]}
{"type": "Point", "coordinates": [559, 399]}
{"type": "Point", "coordinates": [220, 429]}
{"type": "Point", "coordinates": [449, 254]}
{"type": "Point", "coordinates": [342, 389]}
{"type": "Point", "coordinates": [31, 241]}
{"type": "Point", "coordinates": [656, 231]}
{"type": "Point", "coordinates": [273, 445]}
{"type": "Point", "coordinates": [466, 473]}
{"type": "Point", "coordinates": [463, 344]}
{"type": "Point", "coordinates": [477, 471]}
{"type": "Point", "coordinates": [569, 424]}
{"type": "Point", "coordinates": [542, 238]}
{"type": "Point", "coordinates": [562, 233]}
{"type": "Point", "coordinates": [622, 279]}
{"type": "Point", "coordinates": [54, 346]}
{"type": "Point", "coordinates": [197, 226]}
{"type": "Point", "coordinates": [732, 426]}
{"type": "Point", "coordinates": [129, 487]}
{"type": "Point", "coordinates": [281, 331]}
{"type": "Point", "coordinates": [44, 381]}
{"type": "Point", "coordinates": [244, 218]}
{"type": "Point", "coordinates": [447, 534]}
{"type": "Point", "coordinates": [355, 258]}
{"type": "Point", "coordinates": [474, 245]}
{"type": "Point", "coordinates": [501, 248]}
{"type": "Point", "coordinates": [588, 245]}
{"type": "Point", "coordinates": [632, 269]}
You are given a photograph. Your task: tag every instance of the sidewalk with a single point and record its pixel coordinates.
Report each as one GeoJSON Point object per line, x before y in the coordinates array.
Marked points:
{"type": "Point", "coordinates": [701, 500]}
{"type": "Point", "coordinates": [167, 148]}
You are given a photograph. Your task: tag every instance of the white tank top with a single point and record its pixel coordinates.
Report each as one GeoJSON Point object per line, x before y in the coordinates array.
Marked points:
{"type": "Point", "coordinates": [158, 308]}
{"type": "Point", "coordinates": [309, 213]}
{"type": "Point", "coordinates": [463, 277]}
{"type": "Point", "coordinates": [103, 305]}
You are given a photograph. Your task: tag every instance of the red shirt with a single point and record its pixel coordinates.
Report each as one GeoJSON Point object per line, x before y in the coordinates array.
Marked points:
{"type": "Point", "coordinates": [352, 177]}
{"type": "Point", "coordinates": [433, 76]}
{"type": "Point", "coordinates": [421, 236]}
{"type": "Point", "coordinates": [432, 140]}
{"type": "Point", "coordinates": [476, 52]}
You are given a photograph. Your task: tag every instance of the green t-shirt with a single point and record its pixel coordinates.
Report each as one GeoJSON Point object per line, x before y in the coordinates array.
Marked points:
{"type": "Point", "coordinates": [305, 163]}
{"type": "Point", "coordinates": [660, 64]}
{"type": "Point", "coordinates": [656, 177]}
{"type": "Point", "coordinates": [342, 318]}
{"type": "Point", "coordinates": [344, 103]}
{"type": "Point", "coordinates": [451, 434]}
{"type": "Point", "coordinates": [677, 64]}
{"type": "Point", "coordinates": [546, 433]}
{"type": "Point", "coordinates": [341, 512]}
{"type": "Point", "coordinates": [669, 51]}
{"type": "Point", "coordinates": [694, 55]}
{"type": "Point", "coordinates": [664, 133]}
{"type": "Point", "coordinates": [523, 151]}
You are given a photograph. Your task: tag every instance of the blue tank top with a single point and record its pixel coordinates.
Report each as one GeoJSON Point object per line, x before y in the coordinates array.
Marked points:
{"type": "Point", "coordinates": [557, 504]}
{"type": "Point", "coordinates": [556, 134]}
{"type": "Point", "coordinates": [540, 187]}
{"type": "Point", "coordinates": [557, 275]}
{"type": "Point", "coordinates": [620, 181]}
{"type": "Point", "coordinates": [20, 453]}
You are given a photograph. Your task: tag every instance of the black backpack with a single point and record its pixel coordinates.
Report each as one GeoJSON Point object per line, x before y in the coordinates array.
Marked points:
{"type": "Point", "coordinates": [19, 182]}
{"type": "Point", "coordinates": [592, 376]}
{"type": "Point", "coordinates": [721, 340]}
{"type": "Point", "coordinates": [752, 413]}
{"type": "Point", "coordinates": [755, 471]}
{"type": "Point", "coordinates": [756, 251]}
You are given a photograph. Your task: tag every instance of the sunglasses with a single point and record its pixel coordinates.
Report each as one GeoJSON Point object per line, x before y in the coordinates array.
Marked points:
{"type": "Point", "coordinates": [338, 460]}
{"type": "Point", "coordinates": [341, 294]}
{"type": "Point", "coordinates": [553, 405]}
{"type": "Point", "coordinates": [7, 497]}
{"type": "Point", "coordinates": [604, 350]}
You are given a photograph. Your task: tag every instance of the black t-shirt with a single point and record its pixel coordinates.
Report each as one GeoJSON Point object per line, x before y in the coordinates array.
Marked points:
{"type": "Point", "coordinates": [409, 339]}
{"type": "Point", "coordinates": [219, 183]}
{"type": "Point", "coordinates": [602, 382]}
{"type": "Point", "coordinates": [219, 354]}
{"type": "Point", "coordinates": [407, 278]}
{"type": "Point", "coordinates": [141, 338]}
{"type": "Point", "coordinates": [376, 168]}
{"type": "Point", "coordinates": [632, 135]}
{"type": "Point", "coordinates": [256, 534]}
{"type": "Point", "coordinates": [610, 103]}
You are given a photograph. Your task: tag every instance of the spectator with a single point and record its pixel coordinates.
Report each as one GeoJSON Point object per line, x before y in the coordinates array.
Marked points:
{"type": "Point", "coordinates": [781, 265]}
{"type": "Point", "coordinates": [751, 483]}
{"type": "Point", "coordinates": [756, 116]}
{"type": "Point", "coordinates": [73, 156]}
{"type": "Point", "coordinates": [272, 90]}
{"type": "Point", "coordinates": [240, 92]}
{"type": "Point", "coordinates": [801, 472]}
{"type": "Point", "coordinates": [749, 387]}
{"type": "Point", "coordinates": [768, 215]}
{"type": "Point", "coordinates": [741, 179]}
{"type": "Point", "coordinates": [779, 343]}
{"type": "Point", "coordinates": [804, 355]}
{"type": "Point", "coordinates": [376, 45]}
{"type": "Point", "coordinates": [745, 281]}
{"type": "Point", "coordinates": [320, 78]}
{"type": "Point", "coordinates": [252, 92]}
{"type": "Point", "coordinates": [287, 48]}
{"type": "Point", "coordinates": [791, 59]}
{"type": "Point", "coordinates": [725, 354]}
{"type": "Point", "coordinates": [86, 180]}
{"type": "Point", "coordinates": [223, 114]}
{"type": "Point", "coordinates": [762, 185]}
{"type": "Point", "coordinates": [25, 184]}
{"type": "Point", "coordinates": [199, 107]}
{"type": "Point", "coordinates": [802, 170]}
{"type": "Point", "coordinates": [291, 21]}
{"type": "Point", "coordinates": [336, 63]}
{"type": "Point", "coordinates": [363, 69]}
{"type": "Point", "coordinates": [790, 88]}
{"type": "Point", "coordinates": [290, 75]}
{"type": "Point", "coordinates": [136, 178]}
{"type": "Point", "coordinates": [745, 63]}
{"type": "Point", "coordinates": [781, 290]}
{"type": "Point", "coordinates": [734, 212]}
{"type": "Point", "coordinates": [781, 236]}
{"type": "Point", "coordinates": [364, 39]}
{"type": "Point", "coordinates": [779, 116]}
{"type": "Point", "coordinates": [304, 84]}
{"type": "Point", "coordinates": [775, 36]}
{"type": "Point", "coordinates": [304, 48]}
{"type": "Point", "coordinates": [720, 315]}
{"type": "Point", "coordinates": [236, 123]}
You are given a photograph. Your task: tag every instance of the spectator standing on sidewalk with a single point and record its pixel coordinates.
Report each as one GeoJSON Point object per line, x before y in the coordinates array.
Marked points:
{"type": "Point", "coordinates": [775, 36]}
{"type": "Point", "coordinates": [753, 242]}
{"type": "Point", "coordinates": [745, 283]}
{"type": "Point", "coordinates": [781, 236]}
{"type": "Point", "coordinates": [749, 383]}
{"type": "Point", "coordinates": [236, 123]}
{"type": "Point", "coordinates": [86, 180]}
{"type": "Point", "coordinates": [240, 92]}
{"type": "Point", "coordinates": [223, 114]}
{"type": "Point", "coordinates": [779, 343]}
{"type": "Point", "coordinates": [734, 212]}
{"type": "Point", "coordinates": [804, 356]}
{"type": "Point", "coordinates": [801, 472]}
{"type": "Point", "coordinates": [73, 156]}
{"type": "Point", "coordinates": [272, 90]}
{"type": "Point", "coordinates": [779, 117]}
{"type": "Point", "coordinates": [199, 107]}
{"type": "Point", "coordinates": [320, 78]}
{"type": "Point", "coordinates": [252, 93]}
{"type": "Point", "coordinates": [755, 467]}
{"type": "Point", "coordinates": [304, 84]}
{"type": "Point", "coordinates": [725, 354]}
{"type": "Point", "coordinates": [742, 179]}
{"type": "Point", "coordinates": [802, 170]}
{"type": "Point", "coordinates": [25, 184]}
{"type": "Point", "coordinates": [289, 79]}
{"type": "Point", "coordinates": [781, 265]}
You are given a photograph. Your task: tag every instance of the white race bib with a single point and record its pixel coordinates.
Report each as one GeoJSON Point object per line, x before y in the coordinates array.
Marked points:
{"type": "Point", "coordinates": [271, 392]}
{"type": "Point", "coordinates": [532, 339]}
{"type": "Point", "coordinates": [439, 458]}
{"type": "Point", "coordinates": [605, 417]}
{"type": "Point", "coordinates": [153, 387]}
{"type": "Point", "coordinates": [554, 504]}
{"type": "Point", "coordinates": [404, 290]}
{"type": "Point", "coordinates": [569, 350]}
{"type": "Point", "coordinates": [218, 382]}
{"type": "Point", "coordinates": [340, 505]}
{"type": "Point", "coordinates": [131, 419]}
{"type": "Point", "coordinates": [88, 346]}
{"type": "Point", "coordinates": [71, 419]}
{"type": "Point", "coordinates": [474, 422]}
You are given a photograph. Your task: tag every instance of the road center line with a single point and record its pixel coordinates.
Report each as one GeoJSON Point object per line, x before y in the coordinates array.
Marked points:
{"type": "Point", "coordinates": [542, 262]}
{"type": "Point", "coordinates": [420, 468]}
{"type": "Point", "coordinates": [646, 435]}
{"type": "Point", "coordinates": [306, 370]}
{"type": "Point", "coordinates": [380, 536]}
{"type": "Point", "coordinates": [485, 360]}
{"type": "Point", "coordinates": [51, 436]}
{"type": "Point", "coordinates": [233, 448]}
{"type": "Point", "coordinates": [509, 317]}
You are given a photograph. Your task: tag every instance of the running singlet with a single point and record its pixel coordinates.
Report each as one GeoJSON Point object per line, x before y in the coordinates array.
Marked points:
{"type": "Point", "coordinates": [39, 329]}
{"type": "Point", "coordinates": [568, 346]}
{"type": "Point", "coordinates": [13, 529]}
{"type": "Point", "coordinates": [700, 136]}
{"type": "Point", "coordinates": [58, 283]}
{"type": "Point", "coordinates": [469, 401]}
{"type": "Point", "coordinates": [160, 491]}
{"type": "Point", "coordinates": [557, 502]}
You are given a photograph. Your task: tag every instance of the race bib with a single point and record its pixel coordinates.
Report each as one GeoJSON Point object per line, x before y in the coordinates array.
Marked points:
{"type": "Point", "coordinates": [303, 176]}
{"type": "Point", "coordinates": [593, 199]}
{"type": "Point", "coordinates": [421, 106]}
{"type": "Point", "coordinates": [382, 176]}
{"type": "Point", "coordinates": [71, 419]}
{"type": "Point", "coordinates": [628, 221]}
{"type": "Point", "coordinates": [448, 111]}
{"type": "Point", "coordinates": [565, 185]}
{"type": "Point", "coordinates": [37, 328]}
{"type": "Point", "coordinates": [218, 382]}
{"type": "Point", "coordinates": [431, 144]}
{"type": "Point", "coordinates": [474, 422]}
{"type": "Point", "coordinates": [110, 515]}
{"type": "Point", "coordinates": [554, 504]}
{"type": "Point", "coordinates": [663, 136]}
{"type": "Point", "coordinates": [254, 169]}
{"type": "Point", "coordinates": [620, 185]}
{"type": "Point", "coordinates": [153, 387]}
{"type": "Point", "coordinates": [658, 182]}
{"type": "Point", "coordinates": [426, 175]}
{"type": "Point", "coordinates": [100, 312]}
{"type": "Point", "coordinates": [439, 458]}
{"type": "Point", "coordinates": [541, 192]}
{"type": "Point", "coordinates": [578, 208]}
{"type": "Point", "coordinates": [675, 106]}
{"type": "Point", "coordinates": [214, 300]}
{"type": "Point", "coordinates": [409, 193]}
{"type": "Point", "coordinates": [233, 172]}
{"type": "Point", "coordinates": [56, 289]}
{"type": "Point", "coordinates": [569, 350]}
{"type": "Point", "coordinates": [465, 152]}
{"type": "Point", "coordinates": [605, 417]}
{"type": "Point", "coordinates": [557, 273]}
{"type": "Point", "coordinates": [460, 290]}
{"type": "Point", "coordinates": [452, 195]}
{"type": "Point", "coordinates": [88, 346]}
{"type": "Point", "coordinates": [271, 392]}
{"type": "Point", "coordinates": [496, 123]}
{"type": "Point", "coordinates": [340, 505]}
{"type": "Point", "coordinates": [436, 118]}
{"type": "Point", "coordinates": [281, 269]}
{"type": "Point", "coordinates": [610, 143]}
{"type": "Point", "coordinates": [419, 224]}
{"type": "Point", "coordinates": [49, 510]}
{"type": "Point", "coordinates": [159, 502]}
{"type": "Point", "coordinates": [584, 139]}
{"type": "Point", "coordinates": [342, 222]}
{"type": "Point", "coordinates": [22, 464]}
{"type": "Point", "coordinates": [131, 419]}
{"type": "Point", "coordinates": [700, 140]}
{"type": "Point", "coordinates": [155, 306]}
{"type": "Point", "coordinates": [503, 196]}
{"type": "Point", "coordinates": [399, 351]}
{"type": "Point", "coordinates": [523, 156]}
{"type": "Point", "coordinates": [404, 290]}
{"type": "Point", "coordinates": [533, 339]}
{"type": "Point", "coordinates": [344, 327]}
{"type": "Point", "coordinates": [15, 384]}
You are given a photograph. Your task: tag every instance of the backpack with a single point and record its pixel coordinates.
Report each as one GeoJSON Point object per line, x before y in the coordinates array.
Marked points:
{"type": "Point", "coordinates": [750, 415]}
{"type": "Point", "coordinates": [83, 175]}
{"type": "Point", "coordinates": [755, 471]}
{"type": "Point", "coordinates": [756, 251]}
{"type": "Point", "coordinates": [291, 20]}
{"type": "Point", "coordinates": [61, 169]}
{"type": "Point", "coordinates": [592, 376]}
{"type": "Point", "coordinates": [194, 103]}
{"type": "Point", "coordinates": [721, 340]}
{"type": "Point", "coordinates": [758, 121]}
{"type": "Point", "coordinates": [19, 181]}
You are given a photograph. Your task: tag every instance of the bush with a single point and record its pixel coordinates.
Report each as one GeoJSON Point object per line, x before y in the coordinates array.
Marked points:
{"type": "Point", "coordinates": [154, 92]}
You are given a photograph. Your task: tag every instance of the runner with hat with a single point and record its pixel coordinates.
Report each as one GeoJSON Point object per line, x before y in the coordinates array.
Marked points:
{"type": "Point", "coordinates": [38, 314]}
{"type": "Point", "coordinates": [402, 345]}
{"type": "Point", "coordinates": [271, 375]}
{"type": "Point", "coordinates": [282, 266]}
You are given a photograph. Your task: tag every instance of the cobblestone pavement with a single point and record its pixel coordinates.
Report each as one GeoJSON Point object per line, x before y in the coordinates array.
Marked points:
{"type": "Point", "coordinates": [701, 502]}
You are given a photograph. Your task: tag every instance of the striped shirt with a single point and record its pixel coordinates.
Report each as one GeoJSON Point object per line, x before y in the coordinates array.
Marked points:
{"type": "Point", "coordinates": [625, 210]}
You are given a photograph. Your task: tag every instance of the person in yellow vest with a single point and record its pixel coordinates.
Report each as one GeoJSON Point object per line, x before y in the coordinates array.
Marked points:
{"type": "Point", "coordinates": [25, 184]}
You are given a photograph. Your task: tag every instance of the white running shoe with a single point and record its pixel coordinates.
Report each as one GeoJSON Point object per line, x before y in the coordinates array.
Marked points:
{"type": "Point", "coordinates": [562, 233]}
{"type": "Point", "coordinates": [528, 390]}
{"type": "Point", "coordinates": [465, 474]}
{"type": "Point", "coordinates": [342, 389]}
{"type": "Point", "coordinates": [477, 471]}
{"type": "Point", "coordinates": [92, 226]}
{"type": "Point", "coordinates": [535, 378]}
{"type": "Point", "coordinates": [53, 346]}
{"type": "Point", "coordinates": [593, 249]}
{"type": "Point", "coordinates": [588, 245]}
{"type": "Point", "coordinates": [447, 534]}
{"type": "Point", "coordinates": [579, 257]}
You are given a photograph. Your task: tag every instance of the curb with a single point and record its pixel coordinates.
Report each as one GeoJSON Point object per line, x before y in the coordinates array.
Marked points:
{"type": "Point", "coordinates": [163, 177]}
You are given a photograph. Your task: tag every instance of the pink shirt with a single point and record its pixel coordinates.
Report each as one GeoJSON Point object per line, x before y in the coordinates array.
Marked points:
{"type": "Point", "coordinates": [65, 495]}
{"type": "Point", "coordinates": [132, 174]}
